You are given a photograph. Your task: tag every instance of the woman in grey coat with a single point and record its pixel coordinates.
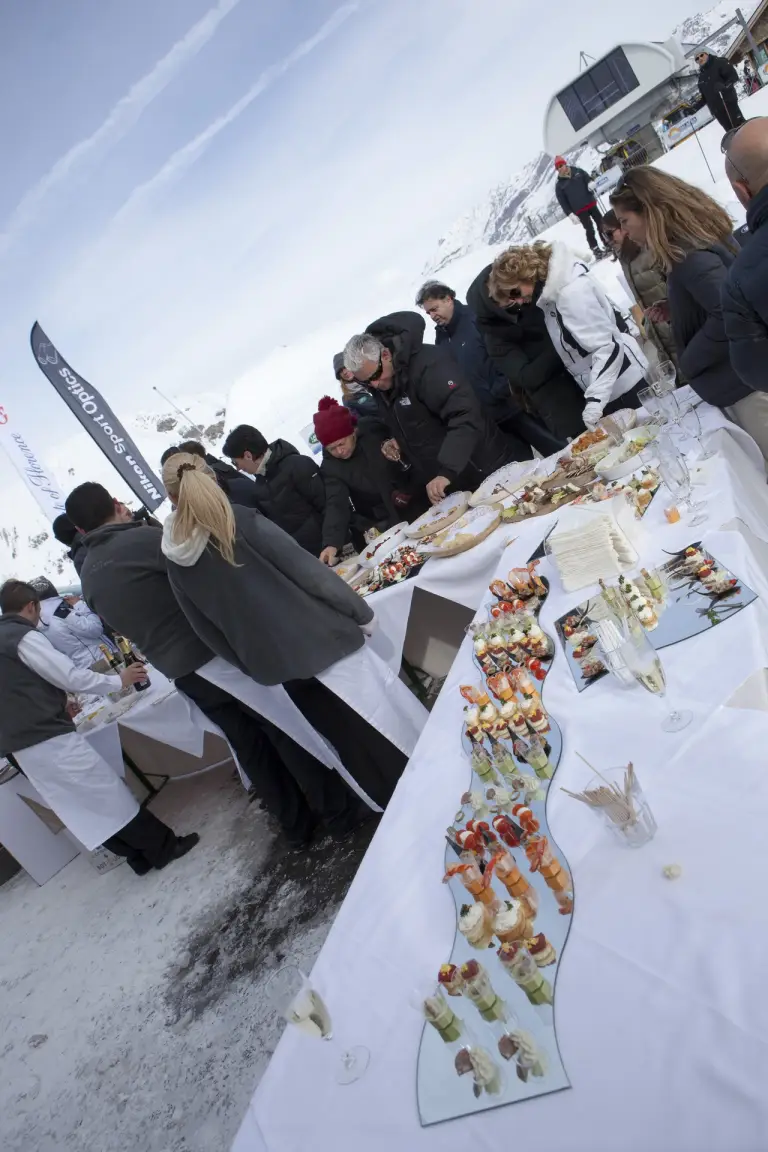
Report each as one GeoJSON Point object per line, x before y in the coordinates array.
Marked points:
{"type": "Point", "coordinates": [266, 606]}
{"type": "Point", "coordinates": [647, 283]}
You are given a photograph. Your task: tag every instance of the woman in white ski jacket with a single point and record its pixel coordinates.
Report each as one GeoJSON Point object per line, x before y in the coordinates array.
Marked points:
{"type": "Point", "coordinates": [591, 336]}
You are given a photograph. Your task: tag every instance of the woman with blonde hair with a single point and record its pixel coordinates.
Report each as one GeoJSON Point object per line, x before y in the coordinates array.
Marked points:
{"type": "Point", "coordinates": [689, 236]}
{"type": "Point", "coordinates": [593, 339]}
{"type": "Point", "coordinates": [267, 607]}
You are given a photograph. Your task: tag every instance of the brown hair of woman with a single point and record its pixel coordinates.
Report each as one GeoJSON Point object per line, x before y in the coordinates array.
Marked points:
{"type": "Point", "coordinates": [201, 506]}
{"type": "Point", "coordinates": [678, 216]}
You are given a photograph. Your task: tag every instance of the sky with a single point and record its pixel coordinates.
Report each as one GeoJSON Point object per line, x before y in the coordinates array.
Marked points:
{"type": "Point", "coordinates": [190, 185]}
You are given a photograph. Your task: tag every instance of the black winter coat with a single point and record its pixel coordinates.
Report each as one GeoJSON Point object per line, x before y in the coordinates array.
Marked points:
{"type": "Point", "coordinates": [519, 344]}
{"type": "Point", "coordinates": [573, 192]}
{"type": "Point", "coordinates": [745, 300]}
{"type": "Point", "coordinates": [292, 494]}
{"type": "Point", "coordinates": [432, 411]}
{"type": "Point", "coordinates": [238, 488]}
{"type": "Point", "coordinates": [358, 492]}
{"type": "Point", "coordinates": [694, 288]}
{"type": "Point", "coordinates": [715, 77]}
{"type": "Point", "coordinates": [463, 340]}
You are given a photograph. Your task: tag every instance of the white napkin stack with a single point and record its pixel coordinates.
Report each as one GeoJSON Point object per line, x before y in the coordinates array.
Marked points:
{"type": "Point", "coordinates": [592, 552]}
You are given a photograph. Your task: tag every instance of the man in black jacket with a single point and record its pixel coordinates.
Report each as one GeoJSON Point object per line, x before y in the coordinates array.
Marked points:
{"type": "Point", "coordinates": [745, 293]}
{"type": "Point", "coordinates": [576, 198]}
{"type": "Point", "coordinates": [717, 80]}
{"type": "Point", "coordinates": [289, 486]}
{"type": "Point", "coordinates": [456, 330]}
{"type": "Point", "coordinates": [519, 344]}
{"type": "Point", "coordinates": [125, 574]}
{"type": "Point", "coordinates": [429, 406]}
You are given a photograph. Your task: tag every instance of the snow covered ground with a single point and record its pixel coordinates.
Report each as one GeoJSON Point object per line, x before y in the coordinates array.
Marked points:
{"type": "Point", "coordinates": [132, 1010]}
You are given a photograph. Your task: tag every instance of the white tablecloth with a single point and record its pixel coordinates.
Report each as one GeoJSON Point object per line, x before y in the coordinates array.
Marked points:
{"type": "Point", "coordinates": [661, 1015]}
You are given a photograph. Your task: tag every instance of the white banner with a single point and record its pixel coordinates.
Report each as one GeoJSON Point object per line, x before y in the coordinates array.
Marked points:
{"type": "Point", "coordinates": [40, 480]}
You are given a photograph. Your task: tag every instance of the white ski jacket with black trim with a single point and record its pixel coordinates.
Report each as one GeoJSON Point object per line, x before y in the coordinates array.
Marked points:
{"type": "Point", "coordinates": [593, 339]}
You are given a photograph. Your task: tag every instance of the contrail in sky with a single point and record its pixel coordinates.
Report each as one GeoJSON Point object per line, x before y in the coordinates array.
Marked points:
{"type": "Point", "coordinates": [119, 121]}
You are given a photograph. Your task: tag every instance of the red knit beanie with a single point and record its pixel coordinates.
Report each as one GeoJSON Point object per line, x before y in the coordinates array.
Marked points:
{"type": "Point", "coordinates": [332, 421]}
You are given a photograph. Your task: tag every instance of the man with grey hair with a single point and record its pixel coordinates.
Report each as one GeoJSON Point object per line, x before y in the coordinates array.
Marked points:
{"type": "Point", "coordinates": [745, 293]}
{"type": "Point", "coordinates": [428, 405]}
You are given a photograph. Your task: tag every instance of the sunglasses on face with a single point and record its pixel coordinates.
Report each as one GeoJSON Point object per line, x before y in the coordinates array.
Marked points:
{"type": "Point", "coordinates": [514, 293]}
{"type": "Point", "coordinates": [375, 375]}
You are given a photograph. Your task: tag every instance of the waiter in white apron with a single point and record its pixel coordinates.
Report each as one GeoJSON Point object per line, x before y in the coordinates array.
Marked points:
{"type": "Point", "coordinates": [75, 782]}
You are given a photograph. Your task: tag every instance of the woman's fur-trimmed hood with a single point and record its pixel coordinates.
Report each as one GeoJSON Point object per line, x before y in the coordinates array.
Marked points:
{"type": "Point", "coordinates": [565, 265]}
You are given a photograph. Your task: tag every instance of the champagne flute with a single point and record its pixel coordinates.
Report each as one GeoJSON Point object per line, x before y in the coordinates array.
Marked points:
{"type": "Point", "coordinates": [644, 663]}
{"type": "Point", "coordinates": [690, 425]}
{"type": "Point", "coordinates": [674, 472]}
{"type": "Point", "coordinates": [294, 997]}
{"type": "Point", "coordinates": [663, 377]}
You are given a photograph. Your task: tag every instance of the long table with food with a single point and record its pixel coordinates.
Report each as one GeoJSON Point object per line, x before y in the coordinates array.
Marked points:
{"type": "Point", "coordinates": [596, 982]}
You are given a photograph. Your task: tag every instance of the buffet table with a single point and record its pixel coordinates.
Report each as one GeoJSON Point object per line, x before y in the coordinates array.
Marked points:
{"type": "Point", "coordinates": [661, 1021]}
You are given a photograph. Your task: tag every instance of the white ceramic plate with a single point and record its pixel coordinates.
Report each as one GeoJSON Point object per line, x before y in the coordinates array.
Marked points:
{"type": "Point", "coordinates": [439, 516]}
{"type": "Point", "coordinates": [348, 568]}
{"type": "Point", "coordinates": [474, 525]}
{"type": "Point", "coordinates": [612, 467]}
{"type": "Point", "coordinates": [383, 545]}
{"type": "Point", "coordinates": [504, 482]}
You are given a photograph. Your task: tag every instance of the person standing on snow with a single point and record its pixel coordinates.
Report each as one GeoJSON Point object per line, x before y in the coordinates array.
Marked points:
{"type": "Point", "coordinates": [592, 339]}
{"type": "Point", "coordinates": [288, 485]}
{"type": "Point", "coordinates": [35, 728]}
{"type": "Point", "coordinates": [577, 200]}
{"type": "Point", "coordinates": [71, 628]}
{"type": "Point", "coordinates": [429, 406]}
{"type": "Point", "coordinates": [457, 330]}
{"type": "Point", "coordinates": [717, 85]}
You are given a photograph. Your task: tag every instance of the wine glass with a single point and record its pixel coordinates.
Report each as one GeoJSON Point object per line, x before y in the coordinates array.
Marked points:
{"type": "Point", "coordinates": [644, 663]}
{"type": "Point", "coordinates": [294, 997]}
{"type": "Point", "coordinates": [663, 377]}
{"type": "Point", "coordinates": [690, 425]}
{"type": "Point", "coordinates": [652, 404]}
{"type": "Point", "coordinates": [674, 472]}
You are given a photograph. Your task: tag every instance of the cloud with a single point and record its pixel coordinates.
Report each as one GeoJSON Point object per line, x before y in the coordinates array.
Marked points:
{"type": "Point", "coordinates": [184, 157]}
{"type": "Point", "coordinates": [120, 120]}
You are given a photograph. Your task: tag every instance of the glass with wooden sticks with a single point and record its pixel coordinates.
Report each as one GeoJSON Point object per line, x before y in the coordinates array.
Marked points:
{"type": "Point", "coordinates": [616, 798]}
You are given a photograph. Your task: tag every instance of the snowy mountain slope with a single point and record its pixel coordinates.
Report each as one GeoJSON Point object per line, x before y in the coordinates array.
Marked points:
{"type": "Point", "coordinates": [525, 205]}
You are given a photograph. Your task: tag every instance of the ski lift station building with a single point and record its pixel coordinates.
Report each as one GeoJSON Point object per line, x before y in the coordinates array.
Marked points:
{"type": "Point", "coordinates": [614, 97]}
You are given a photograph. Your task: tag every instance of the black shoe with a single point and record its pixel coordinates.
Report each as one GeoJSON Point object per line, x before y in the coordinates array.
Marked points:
{"type": "Point", "coordinates": [140, 867]}
{"type": "Point", "coordinates": [185, 844]}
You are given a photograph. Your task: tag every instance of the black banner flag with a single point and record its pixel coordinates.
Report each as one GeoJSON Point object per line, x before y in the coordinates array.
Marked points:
{"type": "Point", "coordinates": [99, 421]}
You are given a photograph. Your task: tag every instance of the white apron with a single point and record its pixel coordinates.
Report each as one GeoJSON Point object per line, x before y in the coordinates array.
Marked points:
{"type": "Point", "coordinates": [80, 787]}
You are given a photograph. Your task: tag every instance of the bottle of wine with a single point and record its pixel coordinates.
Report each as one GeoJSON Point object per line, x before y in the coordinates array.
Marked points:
{"type": "Point", "coordinates": [130, 657]}
{"type": "Point", "coordinates": [110, 657]}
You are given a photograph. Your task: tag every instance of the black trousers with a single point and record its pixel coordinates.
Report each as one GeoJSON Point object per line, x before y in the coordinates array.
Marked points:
{"type": "Point", "coordinates": [372, 760]}
{"type": "Point", "coordinates": [530, 429]}
{"type": "Point", "coordinates": [588, 219]}
{"type": "Point", "coordinates": [145, 842]}
{"type": "Point", "coordinates": [294, 787]}
{"type": "Point", "coordinates": [725, 109]}
{"type": "Point", "coordinates": [630, 399]}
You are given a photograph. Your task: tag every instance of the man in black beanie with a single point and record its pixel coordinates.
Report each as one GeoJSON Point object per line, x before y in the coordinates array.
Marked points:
{"type": "Point", "coordinates": [289, 486]}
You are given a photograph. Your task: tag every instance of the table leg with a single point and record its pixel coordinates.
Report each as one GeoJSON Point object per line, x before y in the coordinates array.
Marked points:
{"type": "Point", "coordinates": [143, 778]}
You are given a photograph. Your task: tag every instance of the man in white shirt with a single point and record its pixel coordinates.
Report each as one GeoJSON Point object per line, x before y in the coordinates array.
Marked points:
{"type": "Point", "coordinates": [75, 782]}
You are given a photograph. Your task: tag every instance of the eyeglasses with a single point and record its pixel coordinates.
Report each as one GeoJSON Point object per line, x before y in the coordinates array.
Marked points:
{"type": "Point", "coordinates": [374, 376]}
{"type": "Point", "coordinates": [701, 56]}
{"type": "Point", "coordinates": [727, 140]}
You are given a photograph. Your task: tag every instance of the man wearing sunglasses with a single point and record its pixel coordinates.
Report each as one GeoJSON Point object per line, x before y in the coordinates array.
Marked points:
{"type": "Point", "coordinates": [717, 81]}
{"type": "Point", "coordinates": [435, 419]}
{"type": "Point", "coordinates": [745, 293]}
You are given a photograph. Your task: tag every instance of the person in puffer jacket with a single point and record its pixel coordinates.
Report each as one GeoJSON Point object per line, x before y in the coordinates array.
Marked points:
{"type": "Point", "coordinates": [592, 338]}
{"type": "Point", "coordinates": [72, 628]}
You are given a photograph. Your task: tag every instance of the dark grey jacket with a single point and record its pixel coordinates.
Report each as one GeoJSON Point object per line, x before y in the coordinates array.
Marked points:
{"type": "Point", "coordinates": [694, 289]}
{"type": "Point", "coordinates": [278, 613]}
{"type": "Point", "coordinates": [125, 580]}
{"type": "Point", "coordinates": [745, 300]}
{"type": "Point", "coordinates": [31, 709]}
